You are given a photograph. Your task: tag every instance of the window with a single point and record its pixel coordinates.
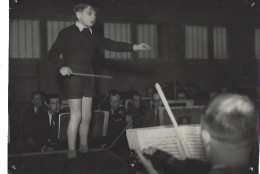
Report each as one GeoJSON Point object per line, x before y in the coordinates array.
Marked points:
{"type": "Point", "coordinates": [196, 40]}
{"type": "Point", "coordinates": [220, 43]}
{"type": "Point", "coordinates": [119, 32]}
{"type": "Point", "coordinates": [53, 28]}
{"type": "Point", "coordinates": [147, 33]}
{"type": "Point", "coordinates": [24, 38]}
{"type": "Point", "coordinates": [257, 44]}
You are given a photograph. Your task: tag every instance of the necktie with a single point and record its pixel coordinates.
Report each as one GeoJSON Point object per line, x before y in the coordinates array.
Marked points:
{"type": "Point", "coordinates": [52, 121]}
{"type": "Point", "coordinates": [156, 117]}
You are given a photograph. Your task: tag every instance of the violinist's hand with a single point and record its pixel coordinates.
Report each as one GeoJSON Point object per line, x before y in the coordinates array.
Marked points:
{"type": "Point", "coordinates": [141, 47]}
{"type": "Point", "coordinates": [65, 71]}
{"type": "Point", "coordinates": [146, 162]}
{"type": "Point", "coordinates": [149, 151]}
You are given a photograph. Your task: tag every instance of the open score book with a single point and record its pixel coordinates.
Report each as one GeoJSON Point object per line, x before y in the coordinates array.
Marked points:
{"type": "Point", "coordinates": [165, 139]}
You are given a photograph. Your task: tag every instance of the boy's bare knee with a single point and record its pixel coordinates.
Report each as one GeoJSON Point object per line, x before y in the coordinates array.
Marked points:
{"type": "Point", "coordinates": [86, 118]}
{"type": "Point", "coordinates": [75, 117]}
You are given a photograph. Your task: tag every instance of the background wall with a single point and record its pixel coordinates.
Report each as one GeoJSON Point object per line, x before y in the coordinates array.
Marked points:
{"type": "Point", "coordinates": [241, 67]}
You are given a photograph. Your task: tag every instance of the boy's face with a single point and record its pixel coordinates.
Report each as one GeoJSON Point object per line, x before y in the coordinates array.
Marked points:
{"type": "Point", "coordinates": [87, 17]}
{"type": "Point", "coordinates": [54, 105]}
{"type": "Point", "coordinates": [115, 101]}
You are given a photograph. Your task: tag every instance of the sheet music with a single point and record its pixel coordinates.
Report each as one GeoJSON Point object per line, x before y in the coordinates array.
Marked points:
{"type": "Point", "coordinates": [131, 135]}
{"type": "Point", "coordinates": [191, 135]}
{"type": "Point", "coordinates": [162, 138]}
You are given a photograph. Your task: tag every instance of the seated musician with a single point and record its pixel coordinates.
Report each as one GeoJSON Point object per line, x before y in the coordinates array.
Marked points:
{"type": "Point", "coordinates": [137, 110]}
{"type": "Point", "coordinates": [50, 122]}
{"type": "Point", "coordinates": [229, 128]}
{"type": "Point", "coordinates": [118, 120]}
{"type": "Point", "coordinates": [151, 118]}
{"type": "Point", "coordinates": [31, 121]}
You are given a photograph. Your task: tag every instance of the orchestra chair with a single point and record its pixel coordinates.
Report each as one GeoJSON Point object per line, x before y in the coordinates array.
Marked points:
{"type": "Point", "coordinates": [65, 105]}
{"type": "Point", "coordinates": [64, 119]}
{"type": "Point", "coordinates": [183, 115]}
{"type": "Point", "coordinates": [177, 103]}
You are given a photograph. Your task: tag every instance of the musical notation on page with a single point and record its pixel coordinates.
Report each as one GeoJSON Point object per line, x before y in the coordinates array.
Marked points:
{"type": "Point", "coordinates": [165, 139]}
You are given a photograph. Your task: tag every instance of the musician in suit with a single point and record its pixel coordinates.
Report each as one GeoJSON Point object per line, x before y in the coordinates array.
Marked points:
{"type": "Point", "coordinates": [137, 110]}
{"type": "Point", "coordinates": [228, 132]}
{"type": "Point", "coordinates": [118, 120]}
{"type": "Point", "coordinates": [31, 124]}
{"type": "Point", "coordinates": [50, 122]}
{"type": "Point", "coordinates": [151, 117]}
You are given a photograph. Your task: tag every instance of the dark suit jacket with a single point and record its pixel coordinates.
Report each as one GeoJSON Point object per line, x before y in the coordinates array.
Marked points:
{"type": "Point", "coordinates": [151, 118]}
{"type": "Point", "coordinates": [31, 124]}
{"type": "Point", "coordinates": [49, 132]}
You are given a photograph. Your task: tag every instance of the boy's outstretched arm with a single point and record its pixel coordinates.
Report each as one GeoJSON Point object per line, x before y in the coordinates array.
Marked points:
{"type": "Point", "coordinates": [112, 45]}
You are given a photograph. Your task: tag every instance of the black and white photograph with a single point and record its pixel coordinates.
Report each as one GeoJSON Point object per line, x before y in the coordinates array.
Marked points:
{"type": "Point", "coordinates": [131, 86]}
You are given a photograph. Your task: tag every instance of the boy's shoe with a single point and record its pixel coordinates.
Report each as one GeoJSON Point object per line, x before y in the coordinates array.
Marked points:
{"type": "Point", "coordinates": [83, 149]}
{"type": "Point", "coordinates": [71, 154]}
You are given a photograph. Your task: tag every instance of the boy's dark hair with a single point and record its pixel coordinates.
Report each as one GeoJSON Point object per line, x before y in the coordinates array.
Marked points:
{"type": "Point", "coordinates": [231, 118]}
{"type": "Point", "coordinates": [84, 4]}
{"type": "Point", "coordinates": [50, 96]}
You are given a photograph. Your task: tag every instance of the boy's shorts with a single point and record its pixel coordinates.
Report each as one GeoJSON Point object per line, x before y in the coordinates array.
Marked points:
{"type": "Point", "coordinates": [78, 86]}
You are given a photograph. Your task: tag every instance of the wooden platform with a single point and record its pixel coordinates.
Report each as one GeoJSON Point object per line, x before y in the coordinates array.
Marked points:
{"type": "Point", "coordinates": [93, 162]}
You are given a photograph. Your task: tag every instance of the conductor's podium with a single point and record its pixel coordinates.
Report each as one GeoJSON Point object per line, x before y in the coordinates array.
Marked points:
{"type": "Point", "coordinates": [93, 162]}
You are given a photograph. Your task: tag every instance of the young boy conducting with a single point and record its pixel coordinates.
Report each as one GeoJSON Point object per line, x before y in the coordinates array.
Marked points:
{"type": "Point", "coordinates": [77, 44]}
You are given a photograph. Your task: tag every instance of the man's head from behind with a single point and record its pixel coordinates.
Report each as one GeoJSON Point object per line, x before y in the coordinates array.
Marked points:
{"type": "Point", "coordinates": [53, 103]}
{"type": "Point", "coordinates": [114, 99]}
{"type": "Point", "coordinates": [229, 129]}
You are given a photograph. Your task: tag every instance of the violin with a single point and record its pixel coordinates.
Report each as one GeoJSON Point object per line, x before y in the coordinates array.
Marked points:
{"type": "Point", "coordinates": [167, 163]}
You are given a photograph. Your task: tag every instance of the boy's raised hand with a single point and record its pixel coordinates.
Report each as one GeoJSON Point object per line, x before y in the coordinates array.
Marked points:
{"type": "Point", "coordinates": [141, 47]}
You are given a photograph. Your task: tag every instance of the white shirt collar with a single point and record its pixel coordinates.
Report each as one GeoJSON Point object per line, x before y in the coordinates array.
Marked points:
{"type": "Point", "coordinates": [81, 26]}
{"type": "Point", "coordinates": [50, 117]}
